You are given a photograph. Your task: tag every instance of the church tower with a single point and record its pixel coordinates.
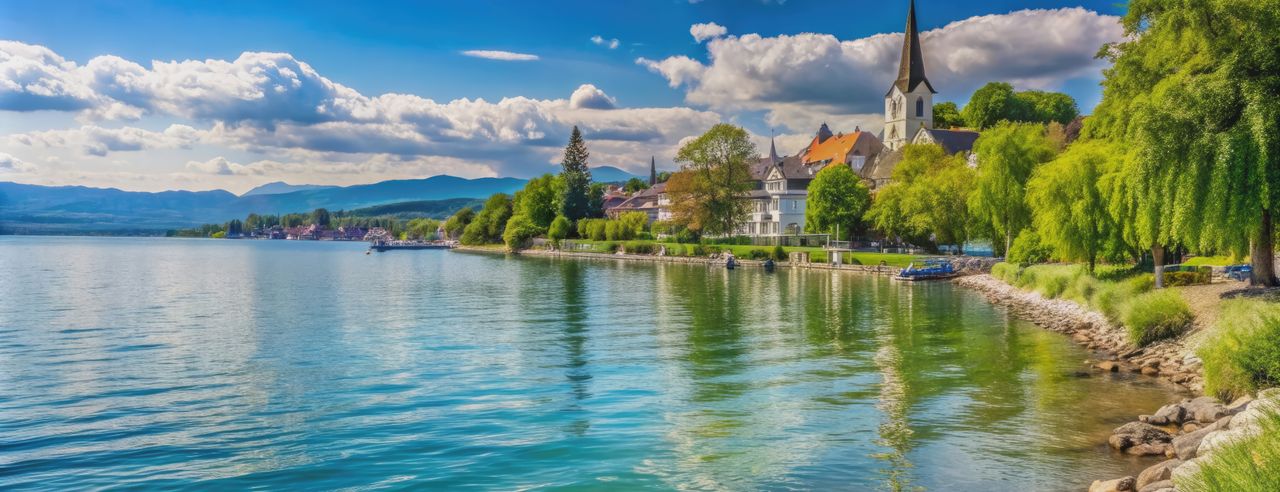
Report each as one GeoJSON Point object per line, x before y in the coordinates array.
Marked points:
{"type": "Point", "coordinates": [909, 104]}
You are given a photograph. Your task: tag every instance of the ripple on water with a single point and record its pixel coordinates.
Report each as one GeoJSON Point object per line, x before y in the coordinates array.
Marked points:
{"type": "Point", "coordinates": [279, 365]}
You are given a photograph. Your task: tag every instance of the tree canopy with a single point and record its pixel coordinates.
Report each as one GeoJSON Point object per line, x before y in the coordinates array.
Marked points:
{"type": "Point", "coordinates": [947, 115]}
{"type": "Point", "coordinates": [1007, 155]}
{"type": "Point", "coordinates": [926, 203]}
{"type": "Point", "coordinates": [1071, 207]}
{"type": "Point", "coordinates": [539, 201]}
{"type": "Point", "coordinates": [997, 101]}
{"type": "Point", "coordinates": [1192, 95]}
{"type": "Point", "coordinates": [837, 197]}
{"type": "Point", "coordinates": [488, 225]}
{"type": "Point", "coordinates": [575, 201]}
{"type": "Point", "coordinates": [708, 195]}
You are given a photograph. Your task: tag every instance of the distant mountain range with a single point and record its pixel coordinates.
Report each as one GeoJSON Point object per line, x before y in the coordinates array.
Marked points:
{"type": "Point", "coordinates": [35, 209]}
{"type": "Point", "coordinates": [279, 187]}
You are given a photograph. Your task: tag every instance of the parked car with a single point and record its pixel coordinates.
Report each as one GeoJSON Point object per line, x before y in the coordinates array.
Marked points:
{"type": "Point", "coordinates": [1238, 272]}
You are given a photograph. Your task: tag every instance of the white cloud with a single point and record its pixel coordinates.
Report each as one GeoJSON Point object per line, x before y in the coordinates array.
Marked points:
{"type": "Point", "coordinates": [606, 42]}
{"type": "Point", "coordinates": [819, 73]}
{"type": "Point", "coordinates": [220, 166]}
{"type": "Point", "coordinates": [500, 55]}
{"type": "Point", "coordinates": [705, 31]}
{"type": "Point", "coordinates": [268, 103]}
{"type": "Point", "coordinates": [587, 96]}
{"type": "Point", "coordinates": [99, 141]}
{"type": "Point", "coordinates": [10, 163]}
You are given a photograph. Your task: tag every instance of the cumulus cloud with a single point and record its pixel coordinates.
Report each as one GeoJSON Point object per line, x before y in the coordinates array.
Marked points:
{"type": "Point", "coordinates": [587, 96]}
{"type": "Point", "coordinates": [500, 55]}
{"type": "Point", "coordinates": [271, 102]}
{"type": "Point", "coordinates": [1038, 49]}
{"type": "Point", "coordinates": [10, 163]}
{"type": "Point", "coordinates": [606, 42]}
{"type": "Point", "coordinates": [708, 30]}
{"type": "Point", "coordinates": [99, 141]}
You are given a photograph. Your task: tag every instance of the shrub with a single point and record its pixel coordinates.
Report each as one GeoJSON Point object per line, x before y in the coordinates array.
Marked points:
{"type": "Point", "coordinates": [519, 230]}
{"type": "Point", "coordinates": [1157, 316]}
{"type": "Point", "coordinates": [1245, 355]}
{"type": "Point", "coordinates": [1027, 249]}
{"type": "Point", "coordinates": [697, 250]}
{"type": "Point", "coordinates": [558, 231]}
{"type": "Point", "coordinates": [596, 230]}
{"type": "Point", "coordinates": [1251, 464]}
{"type": "Point", "coordinates": [644, 236]}
{"type": "Point", "coordinates": [686, 236]}
{"type": "Point", "coordinates": [641, 248]}
{"type": "Point", "coordinates": [779, 253]}
{"type": "Point", "coordinates": [758, 254]}
{"type": "Point", "coordinates": [1006, 272]}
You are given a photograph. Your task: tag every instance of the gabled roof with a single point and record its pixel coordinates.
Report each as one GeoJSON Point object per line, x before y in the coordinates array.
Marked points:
{"type": "Point", "coordinates": [834, 149]}
{"type": "Point", "coordinates": [911, 69]}
{"type": "Point", "coordinates": [881, 166]}
{"type": "Point", "coordinates": [954, 141]}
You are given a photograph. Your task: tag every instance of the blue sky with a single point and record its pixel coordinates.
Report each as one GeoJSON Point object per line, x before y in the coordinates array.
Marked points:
{"type": "Point", "coordinates": [764, 65]}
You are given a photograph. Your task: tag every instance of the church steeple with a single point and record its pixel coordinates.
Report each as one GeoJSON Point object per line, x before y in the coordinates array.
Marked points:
{"type": "Point", "coordinates": [653, 171]}
{"type": "Point", "coordinates": [773, 152]}
{"type": "Point", "coordinates": [911, 70]}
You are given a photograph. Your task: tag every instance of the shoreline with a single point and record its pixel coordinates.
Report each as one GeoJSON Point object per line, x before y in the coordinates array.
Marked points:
{"type": "Point", "coordinates": [865, 269]}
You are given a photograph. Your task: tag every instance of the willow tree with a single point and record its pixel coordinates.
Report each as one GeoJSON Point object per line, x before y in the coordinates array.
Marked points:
{"type": "Point", "coordinates": [1007, 155]}
{"type": "Point", "coordinates": [925, 204]}
{"type": "Point", "coordinates": [1194, 93]}
{"type": "Point", "coordinates": [1070, 203]}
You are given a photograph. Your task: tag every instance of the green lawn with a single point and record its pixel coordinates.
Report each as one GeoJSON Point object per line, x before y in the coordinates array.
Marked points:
{"type": "Point", "coordinates": [816, 255]}
{"type": "Point", "coordinates": [1213, 261]}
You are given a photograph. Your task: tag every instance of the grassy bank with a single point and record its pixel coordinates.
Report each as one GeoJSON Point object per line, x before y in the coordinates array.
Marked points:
{"type": "Point", "coordinates": [816, 255]}
{"type": "Point", "coordinates": [1122, 294]}
{"type": "Point", "coordinates": [1243, 354]}
{"type": "Point", "coordinates": [1247, 465]}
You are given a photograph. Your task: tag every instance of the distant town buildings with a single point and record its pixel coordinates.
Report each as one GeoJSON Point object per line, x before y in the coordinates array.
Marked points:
{"type": "Point", "coordinates": [782, 183]}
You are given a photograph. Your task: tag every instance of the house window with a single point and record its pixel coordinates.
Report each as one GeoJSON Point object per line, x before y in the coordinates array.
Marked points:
{"type": "Point", "coordinates": [857, 161]}
{"type": "Point", "coordinates": [919, 107]}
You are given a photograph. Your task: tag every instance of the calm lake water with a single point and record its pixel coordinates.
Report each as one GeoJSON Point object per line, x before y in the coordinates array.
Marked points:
{"type": "Point", "coordinates": [206, 364]}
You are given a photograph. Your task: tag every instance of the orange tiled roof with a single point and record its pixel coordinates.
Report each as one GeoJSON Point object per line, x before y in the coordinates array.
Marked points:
{"type": "Point", "coordinates": [834, 149]}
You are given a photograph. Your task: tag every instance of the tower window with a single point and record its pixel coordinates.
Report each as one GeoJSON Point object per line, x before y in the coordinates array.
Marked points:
{"type": "Point", "coordinates": [919, 107]}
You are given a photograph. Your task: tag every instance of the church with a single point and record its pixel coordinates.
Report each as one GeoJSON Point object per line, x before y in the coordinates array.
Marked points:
{"type": "Point", "coordinates": [778, 200]}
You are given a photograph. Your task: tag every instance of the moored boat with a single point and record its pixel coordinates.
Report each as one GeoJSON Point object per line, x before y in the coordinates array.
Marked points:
{"type": "Point", "coordinates": [930, 270]}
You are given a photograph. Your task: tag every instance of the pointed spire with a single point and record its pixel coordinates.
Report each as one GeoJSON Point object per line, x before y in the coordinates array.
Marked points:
{"type": "Point", "coordinates": [653, 171]}
{"type": "Point", "coordinates": [773, 150]}
{"type": "Point", "coordinates": [911, 71]}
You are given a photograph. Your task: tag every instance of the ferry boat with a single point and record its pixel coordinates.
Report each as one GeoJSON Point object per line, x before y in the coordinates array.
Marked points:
{"type": "Point", "coordinates": [930, 270]}
{"type": "Point", "coordinates": [381, 246]}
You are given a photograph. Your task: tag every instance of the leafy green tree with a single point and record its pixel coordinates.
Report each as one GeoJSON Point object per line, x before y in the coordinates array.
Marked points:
{"type": "Point", "coordinates": [991, 104]}
{"type": "Point", "coordinates": [631, 224]}
{"type": "Point", "coordinates": [559, 230]}
{"type": "Point", "coordinates": [708, 195]}
{"type": "Point", "coordinates": [575, 201]}
{"type": "Point", "coordinates": [1070, 206]}
{"type": "Point", "coordinates": [488, 225]}
{"type": "Point", "coordinates": [539, 201]}
{"type": "Point", "coordinates": [947, 115]}
{"type": "Point", "coordinates": [1192, 96]}
{"type": "Point", "coordinates": [1007, 155]}
{"type": "Point", "coordinates": [1046, 107]}
{"type": "Point", "coordinates": [458, 222]}
{"type": "Point", "coordinates": [926, 203]}
{"type": "Point", "coordinates": [320, 217]}
{"type": "Point", "coordinates": [635, 184]}
{"type": "Point", "coordinates": [421, 228]}
{"type": "Point", "coordinates": [595, 201]}
{"type": "Point", "coordinates": [1028, 249]}
{"type": "Point", "coordinates": [518, 231]}
{"type": "Point", "coordinates": [837, 197]}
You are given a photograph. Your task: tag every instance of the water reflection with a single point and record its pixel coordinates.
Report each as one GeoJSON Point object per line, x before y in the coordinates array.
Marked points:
{"type": "Point", "coordinates": [223, 364]}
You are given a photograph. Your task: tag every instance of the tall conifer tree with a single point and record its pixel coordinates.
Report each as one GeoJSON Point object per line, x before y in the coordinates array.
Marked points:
{"type": "Point", "coordinates": [575, 204]}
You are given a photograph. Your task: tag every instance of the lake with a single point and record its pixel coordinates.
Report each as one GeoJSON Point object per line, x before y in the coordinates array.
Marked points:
{"type": "Point", "coordinates": [220, 364]}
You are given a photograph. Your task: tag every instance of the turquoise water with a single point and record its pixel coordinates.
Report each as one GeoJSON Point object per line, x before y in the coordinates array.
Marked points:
{"type": "Point", "coordinates": [206, 364]}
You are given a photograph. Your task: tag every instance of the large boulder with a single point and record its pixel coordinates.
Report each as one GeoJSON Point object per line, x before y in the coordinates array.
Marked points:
{"type": "Point", "coordinates": [1205, 409]}
{"type": "Point", "coordinates": [1117, 485]}
{"type": "Point", "coordinates": [1186, 446]}
{"type": "Point", "coordinates": [1171, 414]}
{"type": "Point", "coordinates": [1157, 473]}
{"type": "Point", "coordinates": [1140, 439]}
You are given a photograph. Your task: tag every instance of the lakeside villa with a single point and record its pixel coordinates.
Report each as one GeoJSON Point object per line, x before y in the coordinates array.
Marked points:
{"type": "Point", "coordinates": [780, 184]}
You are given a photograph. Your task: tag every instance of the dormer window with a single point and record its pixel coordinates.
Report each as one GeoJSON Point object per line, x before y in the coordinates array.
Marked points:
{"type": "Point", "coordinates": [857, 161]}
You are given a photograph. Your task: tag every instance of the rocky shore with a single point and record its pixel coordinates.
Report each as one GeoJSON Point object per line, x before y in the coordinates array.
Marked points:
{"type": "Point", "coordinates": [1186, 433]}
{"type": "Point", "coordinates": [1172, 360]}
{"type": "Point", "coordinates": [867, 269]}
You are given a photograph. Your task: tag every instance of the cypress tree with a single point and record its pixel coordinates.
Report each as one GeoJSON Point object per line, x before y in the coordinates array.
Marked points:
{"type": "Point", "coordinates": [574, 205]}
